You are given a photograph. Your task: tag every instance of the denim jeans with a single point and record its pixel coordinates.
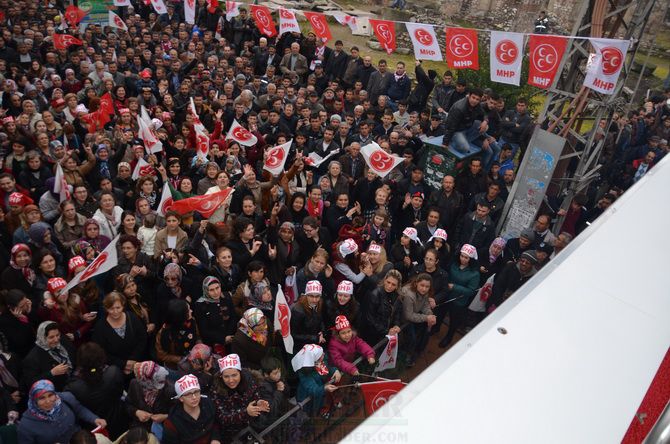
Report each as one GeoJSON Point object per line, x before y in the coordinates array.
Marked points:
{"type": "Point", "coordinates": [462, 140]}
{"type": "Point", "coordinates": [490, 154]}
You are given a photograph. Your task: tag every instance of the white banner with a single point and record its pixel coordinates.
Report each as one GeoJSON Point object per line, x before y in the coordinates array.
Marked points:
{"type": "Point", "coordinates": [282, 321]}
{"type": "Point", "coordinates": [142, 168]}
{"type": "Point", "coordinates": [389, 356]}
{"type": "Point", "coordinates": [314, 160]}
{"type": "Point", "coordinates": [603, 67]}
{"type": "Point", "coordinates": [116, 22]}
{"type": "Point", "coordinates": [60, 185]}
{"type": "Point", "coordinates": [275, 158]}
{"type": "Point", "coordinates": [159, 6]}
{"type": "Point", "coordinates": [241, 135]}
{"type": "Point", "coordinates": [379, 160]}
{"type": "Point", "coordinates": [121, 2]}
{"type": "Point", "coordinates": [424, 41]}
{"type": "Point", "coordinates": [232, 10]}
{"type": "Point", "coordinates": [506, 56]}
{"type": "Point", "coordinates": [189, 11]}
{"type": "Point", "coordinates": [106, 260]}
{"type": "Point", "coordinates": [287, 21]}
{"type": "Point", "coordinates": [151, 142]}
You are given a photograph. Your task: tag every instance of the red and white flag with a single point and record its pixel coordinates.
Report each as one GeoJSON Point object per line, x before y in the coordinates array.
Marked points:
{"type": "Point", "coordinates": [206, 204]}
{"type": "Point", "coordinates": [232, 10]}
{"type": "Point", "coordinates": [275, 158]}
{"type": "Point", "coordinates": [189, 11]}
{"type": "Point", "coordinates": [376, 394]}
{"type": "Point", "coordinates": [196, 118]}
{"type": "Point", "coordinates": [104, 262]}
{"type": "Point", "coordinates": [62, 41]}
{"type": "Point", "coordinates": [212, 5]}
{"type": "Point", "coordinates": [241, 135]}
{"type": "Point", "coordinates": [314, 160]}
{"type": "Point", "coordinates": [151, 142]}
{"type": "Point", "coordinates": [506, 56]}
{"type": "Point", "coordinates": [319, 24]}
{"type": "Point", "coordinates": [462, 48]}
{"type": "Point", "coordinates": [603, 67]}
{"type": "Point", "coordinates": [73, 15]}
{"type": "Point", "coordinates": [424, 41]}
{"type": "Point", "coordinates": [389, 356]}
{"type": "Point", "coordinates": [379, 160]}
{"type": "Point", "coordinates": [159, 6]}
{"type": "Point", "coordinates": [166, 202]}
{"type": "Point", "coordinates": [385, 32]}
{"type": "Point", "coordinates": [263, 19]}
{"type": "Point", "coordinates": [545, 53]}
{"type": "Point", "coordinates": [142, 168]}
{"type": "Point", "coordinates": [121, 2]}
{"type": "Point", "coordinates": [346, 20]}
{"type": "Point", "coordinates": [95, 120]}
{"type": "Point", "coordinates": [117, 22]}
{"type": "Point", "coordinates": [60, 185]}
{"type": "Point", "coordinates": [282, 321]}
{"type": "Point", "coordinates": [107, 103]}
{"type": "Point", "coordinates": [201, 142]}
{"type": "Point", "coordinates": [287, 21]}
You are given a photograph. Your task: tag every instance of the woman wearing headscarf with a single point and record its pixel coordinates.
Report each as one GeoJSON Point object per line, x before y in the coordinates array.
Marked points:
{"type": "Point", "coordinates": [178, 335]}
{"type": "Point", "coordinates": [17, 322]}
{"type": "Point", "coordinates": [42, 238]}
{"type": "Point", "coordinates": [251, 341]}
{"type": "Point", "coordinates": [143, 308]}
{"type": "Point", "coordinates": [67, 309]}
{"type": "Point", "coordinates": [99, 387]}
{"type": "Point", "coordinates": [491, 259]}
{"type": "Point", "coordinates": [52, 416]}
{"type": "Point", "coordinates": [215, 314]}
{"type": "Point", "coordinates": [199, 362]}
{"type": "Point", "coordinates": [51, 357]}
{"type": "Point", "coordinates": [93, 237]}
{"type": "Point", "coordinates": [19, 275]}
{"type": "Point", "coordinates": [175, 285]}
{"type": "Point", "coordinates": [149, 398]}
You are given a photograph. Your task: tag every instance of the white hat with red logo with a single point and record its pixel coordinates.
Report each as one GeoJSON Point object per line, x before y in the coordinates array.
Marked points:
{"type": "Point", "coordinates": [342, 323]}
{"type": "Point", "coordinates": [346, 287]}
{"type": "Point", "coordinates": [439, 234]}
{"type": "Point", "coordinates": [412, 234]}
{"type": "Point", "coordinates": [347, 247]}
{"type": "Point", "coordinates": [375, 248]}
{"type": "Point", "coordinates": [230, 361]}
{"type": "Point", "coordinates": [469, 251]}
{"type": "Point", "coordinates": [185, 385]}
{"type": "Point", "coordinates": [313, 287]}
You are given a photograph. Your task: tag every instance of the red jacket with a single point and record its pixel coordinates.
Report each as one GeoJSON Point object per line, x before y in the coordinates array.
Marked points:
{"type": "Point", "coordinates": [341, 354]}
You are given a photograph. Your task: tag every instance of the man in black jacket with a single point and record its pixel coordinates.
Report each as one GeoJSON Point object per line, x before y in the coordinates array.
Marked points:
{"type": "Point", "coordinates": [418, 98]}
{"type": "Point", "coordinates": [466, 122]}
{"type": "Point", "coordinates": [512, 276]}
{"type": "Point", "coordinates": [514, 124]}
{"type": "Point", "coordinates": [336, 65]}
{"type": "Point", "coordinates": [475, 228]}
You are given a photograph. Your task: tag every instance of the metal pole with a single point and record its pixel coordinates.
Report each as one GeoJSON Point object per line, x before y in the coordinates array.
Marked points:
{"type": "Point", "coordinates": [644, 67]}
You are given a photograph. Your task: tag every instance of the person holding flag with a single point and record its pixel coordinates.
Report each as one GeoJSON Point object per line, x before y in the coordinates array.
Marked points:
{"type": "Point", "coordinates": [316, 378]}
{"type": "Point", "coordinates": [345, 345]}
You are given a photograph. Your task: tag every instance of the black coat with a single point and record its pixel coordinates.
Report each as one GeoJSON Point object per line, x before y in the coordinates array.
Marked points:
{"type": "Point", "coordinates": [380, 311]}
{"type": "Point", "coordinates": [215, 320]}
{"type": "Point", "coordinates": [135, 401]}
{"type": "Point", "coordinates": [181, 428]}
{"type": "Point", "coordinates": [249, 351]}
{"type": "Point", "coordinates": [104, 398]}
{"type": "Point", "coordinates": [418, 98]}
{"type": "Point", "coordinates": [119, 350]}
{"type": "Point", "coordinates": [306, 324]}
{"type": "Point", "coordinates": [461, 117]}
{"type": "Point", "coordinates": [478, 235]}
{"type": "Point", "coordinates": [505, 283]}
{"type": "Point", "coordinates": [38, 364]}
{"type": "Point", "coordinates": [20, 336]}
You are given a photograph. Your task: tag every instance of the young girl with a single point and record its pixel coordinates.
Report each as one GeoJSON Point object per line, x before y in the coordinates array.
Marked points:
{"type": "Point", "coordinates": [315, 376]}
{"type": "Point", "coordinates": [245, 291]}
{"type": "Point", "coordinates": [377, 230]}
{"type": "Point", "coordinates": [345, 345]}
{"type": "Point", "coordinates": [438, 241]}
{"type": "Point", "coordinates": [67, 309]}
{"type": "Point", "coordinates": [418, 314]}
{"type": "Point", "coordinates": [147, 234]}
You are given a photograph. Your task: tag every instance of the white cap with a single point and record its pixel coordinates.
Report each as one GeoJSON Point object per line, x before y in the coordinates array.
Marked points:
{"type": "Point", "coordinates": [375, 248]}
{"type": "Point", "coordinates": [314, 287]}
{"type": "Point", "coordinates": [346, 287]}
{"type": "Point", "coordinates": [469, 251]}
{"type": "Point", "coordinates": [347, 247]}
{"type": "Point", "coordinates": [230, 361]}
{"type": "Point", "coordinates": [439, 234]}
{"type": "Point", "coordinates": [186, 384]}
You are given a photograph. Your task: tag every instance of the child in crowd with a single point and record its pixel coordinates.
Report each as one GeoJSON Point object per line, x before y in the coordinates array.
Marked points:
{"type": "Point", "coordinates": [345, 345]}
{"type": "Point", "coordinates": [147, 234]}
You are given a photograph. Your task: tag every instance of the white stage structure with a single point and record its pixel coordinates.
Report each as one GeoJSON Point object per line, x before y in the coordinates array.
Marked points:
{"type": "Point", "coordinates": [569, 357]}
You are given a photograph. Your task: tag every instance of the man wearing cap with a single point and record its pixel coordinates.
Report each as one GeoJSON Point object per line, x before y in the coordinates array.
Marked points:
{"type": "Point", "coordinates": [193, 419]}
{"type": "Point", "coordinates": [515, 247]}
{"type": "Point", "coordinates": [512, 276]}
{"type": "Point", "coordinates": [413, 211]}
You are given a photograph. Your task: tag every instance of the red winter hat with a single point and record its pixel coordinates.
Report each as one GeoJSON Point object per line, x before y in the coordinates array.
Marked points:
{"type": "Point", "coordinates": [19, 200]}
{"type": "Point", "coordinates": [56, 284]}
{"type": "Point", "coordinates": [75, 263]}
{"type": "Point", "coordinates": [342, 323]}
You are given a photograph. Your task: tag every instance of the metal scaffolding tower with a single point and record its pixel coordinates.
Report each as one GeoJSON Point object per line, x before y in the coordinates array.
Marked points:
{"type": "Point", "coordinates": [569, 104]}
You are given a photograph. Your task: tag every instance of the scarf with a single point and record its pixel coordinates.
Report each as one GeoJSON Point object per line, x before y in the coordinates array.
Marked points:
{"type": "Point", "coordinates": [209, 280]}
{"type": "Point", "coordinates": [499, 242]}
{"type": "Point", "coordinates": [58, 353]}
{"type": "Point", "coordinates": [151, 377]}
{"type": "Point", "coordinates": [104, 169]}
{"type": "Point", "coordinates": [7, 380]}
{"type": "Point", "coordinates": [38, 389]}
{"type": "Point", "coordinates": [251, 319]}
{"type": "Point", "coordinates": [28, 273]}
{"type": "Point", "coordinates": [174, 270]}
{"type": "Point", "coordinates": [397, 77]}
{"type": "Point", "coordinates": [315, 210]}
{"type": "Point", "coordinates": [151, 198]}
{"type": "Point", "coordinates": [256, 296]}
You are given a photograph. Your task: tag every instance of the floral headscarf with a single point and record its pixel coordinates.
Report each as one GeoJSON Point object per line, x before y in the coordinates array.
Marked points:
{"type": "Point", "coordinates": [497, 242]}
{"type": "Point", "coordinates": [253, 318]}
{"type": "Point", "coordinates": [27, 272]}
{"type": "Point", "coordinates": [38, 389]}
{"type": "Point", "coordinates": [174, 270]}
{"type": "Point", "coordinates": [151, 377]}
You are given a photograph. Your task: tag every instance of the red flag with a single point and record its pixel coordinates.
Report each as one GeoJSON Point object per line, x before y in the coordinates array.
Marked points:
{"type": "Point", "coordinates": [212, 5]}
{"type": "Point", "coordinates": [62, 41]}
{"type": "Point", "coordinates": [282, 320]}
{"type": "Point", "coordinates": [106, 103]}
{"type": "Point", "coordinates": [376, 394]}
{"type": "Point", "coordinates": [206, 204]}
{"type": "Point", "coordinates": [263, 19]}
{"type": "Point", "coordinates": [462, 48]}
{"type": "Point", "coordinates": [319, 25]}
{"type": "Point", "coordinates": [142, 168]}
{"type": "Point", "coordinates": [166, 202]}
{"type": "Point", "coordinates": [74, 15]}
{"type": "Point", "coordinates": [95, 120]}
{"type": "Point", "coordinates": [385, 32]}
{"type": "Point", "coordinates": [546, 53]}
{"type": "Point", "coordinates": [275, 158]}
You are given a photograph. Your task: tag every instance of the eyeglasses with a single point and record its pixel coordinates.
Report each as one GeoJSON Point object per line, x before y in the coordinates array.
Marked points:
{"type": "Point", "coordinates": [193, 394]}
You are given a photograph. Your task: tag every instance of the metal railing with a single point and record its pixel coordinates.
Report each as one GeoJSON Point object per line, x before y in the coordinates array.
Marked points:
{"type": "Point", "coordinates": [660, 432]}
{"type": "Point", "coordinates": [250, 435]}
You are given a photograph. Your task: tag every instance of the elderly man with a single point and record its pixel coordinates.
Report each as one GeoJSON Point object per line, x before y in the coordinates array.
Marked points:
{"type": "Point", "coordinates": [294, 62]}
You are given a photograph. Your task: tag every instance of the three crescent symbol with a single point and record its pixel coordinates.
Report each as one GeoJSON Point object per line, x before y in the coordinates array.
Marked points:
{"type": "Point", "coordinates": [241, 133]}
{"type": "Point", "coordinates": [385, 32]}
{"type": "Point", "coordinates": [461, 45]}
{"type": "Point", "coordinates": [544, 58]}
{"type": "Point", "coordinates": [507, 52]}
{"type": "Point", "coordinates": [275, 157]}
{"type": "Point", "coordinates": [286, 14]}
{"type": "Point", "coordinates": [612, 60]}
{"type": "Point", "coordinates": [423, 37]}
{"type": "Point", "coordinates": [315, 20]}
{"type": "Point", "coordinates": [381, 161]}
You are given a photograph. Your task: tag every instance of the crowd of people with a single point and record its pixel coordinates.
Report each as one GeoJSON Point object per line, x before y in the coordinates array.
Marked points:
{"type": "Point", "coordinates": [177, 342]}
